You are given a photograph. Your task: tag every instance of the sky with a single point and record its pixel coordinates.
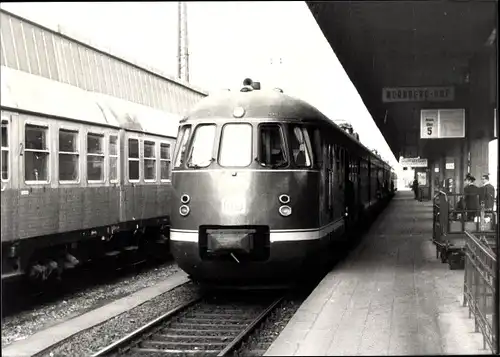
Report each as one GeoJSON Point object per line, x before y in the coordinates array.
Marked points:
{"type": "Point", "coordinates": [228, 41]}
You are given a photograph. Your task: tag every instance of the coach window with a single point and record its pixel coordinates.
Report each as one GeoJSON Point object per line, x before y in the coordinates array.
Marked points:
{"type": "Point", "coordinates": [298, 144]}
{"type": "Point", "coordinates": [36, 154]}
{"type": "Point", "coordinates": [5, 150]}
{"type": "Point", "coordinates": [149, 161]}
{"type": "Point", "coordinates": [182, 141]}
{"type": "Point", "coordinates": [271, 146]}
{"type": "Point", "coordinates": [68, 155]}
{"type": "Point", "coordinates": [133, 159]}
{"type": "Point", "coordinates": [95, 157]}
{"type": "Point", "coordinates": [200, 152]}
{"type": "Point", "coordinates": [164, 161]}
{"type": "Point", "coordinates": [236, 145]}
{"type": "Point", "coordinates": [113, 158]}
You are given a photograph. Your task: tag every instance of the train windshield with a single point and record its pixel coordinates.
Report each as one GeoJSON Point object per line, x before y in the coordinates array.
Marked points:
{"type": "Point", "coordinates": [182, 141]}
{"type": "Point", "coordinates": [298, 140]}
{"type": "Point", "coordinates": [236, 145]}
{"type": "Point", "coordinates": [200, 153]}
{"type": "Point", "coordinates": [272, 151]}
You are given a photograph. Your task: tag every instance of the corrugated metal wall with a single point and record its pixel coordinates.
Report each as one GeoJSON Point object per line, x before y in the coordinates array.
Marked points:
{"type": "Point", "coordinates": [35, 50]}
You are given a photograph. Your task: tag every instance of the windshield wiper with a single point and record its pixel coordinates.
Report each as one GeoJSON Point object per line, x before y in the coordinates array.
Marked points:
{"type": "Point", "coordinates": [196, 166]}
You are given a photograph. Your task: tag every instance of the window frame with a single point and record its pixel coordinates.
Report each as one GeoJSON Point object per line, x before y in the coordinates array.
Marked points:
{"type": "Point", "coordinates": [138, 159]}
{"type": "Point", "coordinates": [46, 126]}
{"type": "Point", "coordinates": [117, 156]}
{"type": "Point", "coordinates": [283, 141]}
{"type": "Point", "coordinates": [168, 160]}
{"type": "Point", "coordinates": [304, 129]}
{"type": "Point", "coordinates": [103, 155]}
{"type": "Point", "coordinates": [178, 149]}
{"type": "Point", "coordinates": [144, 158]}
{"type": "Point", "coordinates": [7, 149]}
{"type": "Point", "coordinates": [192, 139]}
{"type": "Point", "coordinates": [78, 154]}
{"type": "Point", "coordinates": [221, 139]}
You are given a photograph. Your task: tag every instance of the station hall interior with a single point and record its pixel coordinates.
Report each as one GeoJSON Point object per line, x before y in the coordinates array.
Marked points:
{"type": "Point", "coordinates": [424, 279]}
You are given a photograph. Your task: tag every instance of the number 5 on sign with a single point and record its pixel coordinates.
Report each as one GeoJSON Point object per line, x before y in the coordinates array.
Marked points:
{"type": "Point", "coordinates": [428, 124]}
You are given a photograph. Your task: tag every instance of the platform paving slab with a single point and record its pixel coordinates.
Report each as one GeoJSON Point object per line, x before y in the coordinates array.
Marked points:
{"type": "Point", "coordinates": [391, 296]}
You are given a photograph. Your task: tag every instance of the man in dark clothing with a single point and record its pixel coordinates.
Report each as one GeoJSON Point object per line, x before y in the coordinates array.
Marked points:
{"type": "Point", "coordinates": [471, 199]}
{"type": "Point", "coordinates": [487, 193]}
{"type": "Point", "coordinates": [414, 188]}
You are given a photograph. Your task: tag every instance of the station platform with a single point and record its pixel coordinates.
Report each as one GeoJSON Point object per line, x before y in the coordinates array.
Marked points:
{"type": "Point", "coordinates": [391, 296]}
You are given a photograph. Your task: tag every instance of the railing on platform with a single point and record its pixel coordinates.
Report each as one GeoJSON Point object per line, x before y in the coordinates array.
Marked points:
{"type": "Point", "coordinates": [452, 219]}
{"type": "Point", "coordinates": [480, 286]}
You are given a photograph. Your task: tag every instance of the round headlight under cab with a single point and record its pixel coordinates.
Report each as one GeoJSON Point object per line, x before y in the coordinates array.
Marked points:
{"type": "Point", "coordinates": [184, 210]}
{"type": "Point", "coordinates": [284, 199]}
{"type": "Point", "coordinates": [185, 198]}
{"type": "Point", "coordinates": [238, 112]}
{"type": "Point", "coordinates": [285, 211]}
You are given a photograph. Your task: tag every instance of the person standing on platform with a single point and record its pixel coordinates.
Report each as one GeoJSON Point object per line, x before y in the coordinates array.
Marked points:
{"type": "Point", "coordinates": [471, 193]}
{"type": "Point", "coordinates": [414, 188]}
{"type": "Point", "coordinates": [487, 193]}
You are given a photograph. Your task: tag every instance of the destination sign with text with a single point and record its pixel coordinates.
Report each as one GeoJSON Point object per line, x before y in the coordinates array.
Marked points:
{"type": "Point", "coordinates": [418, 94]}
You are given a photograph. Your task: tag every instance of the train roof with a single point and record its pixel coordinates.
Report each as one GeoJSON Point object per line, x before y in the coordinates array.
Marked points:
{"type": "Point", "coordinates": [41, 96]}
{"type": "Point", "coordinates": [263, 104]}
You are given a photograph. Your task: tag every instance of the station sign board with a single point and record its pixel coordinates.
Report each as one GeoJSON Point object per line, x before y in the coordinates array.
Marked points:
{"type": "Point", "coordinates": [412, 162]}
{"type": "Point", "coordinates": [418, 94]}
{"type": "Point", "coordinates": [442, 123]}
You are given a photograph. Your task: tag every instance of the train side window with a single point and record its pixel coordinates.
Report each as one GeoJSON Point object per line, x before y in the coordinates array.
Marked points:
{"type": "Point", "coordinates": [149, 161]}
{"type": "Point", "coordinates": [316, 143]}
{"type": "Point", "coordinates": [236, 145]}
{"type": "Point", "coordinates": [271, 146]}
{"type": "Point", "coordinates": [113, 158]}
{"type": "Point", "coordinates": [133, 159]}
{"type": "Point", "coordinates": [164, 161]}
{"type": "Point", "coordinates": [5, 150]}
{"type": "Point", "coordinates": [95, 157]}
{"type": "Point", "coordinates": [297, 141]}
{"type": "Point", "coordinates": [69, 156]}
{"type": "Point", "coordinates": [181, 146]}
{"type": "Point", "coordinates": [36, 154]}
{"type": "Point", "coordinates": [200, 152]}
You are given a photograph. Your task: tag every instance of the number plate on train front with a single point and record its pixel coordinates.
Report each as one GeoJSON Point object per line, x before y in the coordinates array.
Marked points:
{"type": "Point", "coordinates": [234, 205]}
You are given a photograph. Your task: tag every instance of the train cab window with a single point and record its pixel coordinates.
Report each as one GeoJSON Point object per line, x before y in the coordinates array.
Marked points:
{"type": "Point", "coordinates": [236, 145]}
{"type": "Point", "coordinates": [149, 160]}
{"type": "Point", "coordinates": [271, 146]}
{"type": "Point", "coordinates": [5, 150]}
{"type": "Point", "coordinates": [298, 144]}
{"type": "Point", "coordinates": [68, 155]}
{"type": "Point", "coordinates": [113, 158]}
{"type": "Point", "coordinates": [133, 159]}
{"type": "Point", "coordinates": [164, 161]}
{"type": "Point", "coordinates": [182, 141]}
{"type": "Point", "coordinates": [316, 144]}
{"type": "Point", "coordinates": [36, 153]}
{"type": "Point", "coordinates": [200, 152]}
{"type": "Point", "coordinates": [95, 157]}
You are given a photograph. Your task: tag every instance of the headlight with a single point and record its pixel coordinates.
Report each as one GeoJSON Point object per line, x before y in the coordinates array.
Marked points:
{"type": "Point", "coordinates": [285, 211]}
{"type": "Point", "coordinates": [284, 199]}
{"type": "Point", "coordinates": [184, 210]}
{"type": "Point", "coordinates": [185, 198]}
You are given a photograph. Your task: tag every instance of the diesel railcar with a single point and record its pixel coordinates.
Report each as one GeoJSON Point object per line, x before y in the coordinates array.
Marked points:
{"type": "Point", "coordinates": [262, 182]}
{"type": "Point", "coordinates": [83, 176]}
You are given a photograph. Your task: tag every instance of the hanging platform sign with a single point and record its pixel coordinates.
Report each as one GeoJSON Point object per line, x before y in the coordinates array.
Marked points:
{"type": "Point", "coordinates": [418, 94]}
{"type": "Point", "coordinates": [442, 123]}
{"type": "Point", "coordinates": [412, 162]}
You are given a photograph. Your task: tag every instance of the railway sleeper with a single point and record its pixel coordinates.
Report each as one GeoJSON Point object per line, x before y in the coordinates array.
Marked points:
{"type": "Point", "coordinates": [172, 353]}
{"type": "Point", "coordinates": [174, 345]}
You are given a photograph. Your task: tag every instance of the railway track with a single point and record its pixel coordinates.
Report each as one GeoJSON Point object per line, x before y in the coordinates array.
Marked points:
{"type": "Point", "coordinates": [206, 326]}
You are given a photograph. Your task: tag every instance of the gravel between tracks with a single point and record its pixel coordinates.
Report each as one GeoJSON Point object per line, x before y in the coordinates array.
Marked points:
{"type": "Point", "coordinates": [20, 326]}
{"type": "Point", "coordinates": [94, 339]}
{"type": "Point", "coordinates": [262, 338]}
